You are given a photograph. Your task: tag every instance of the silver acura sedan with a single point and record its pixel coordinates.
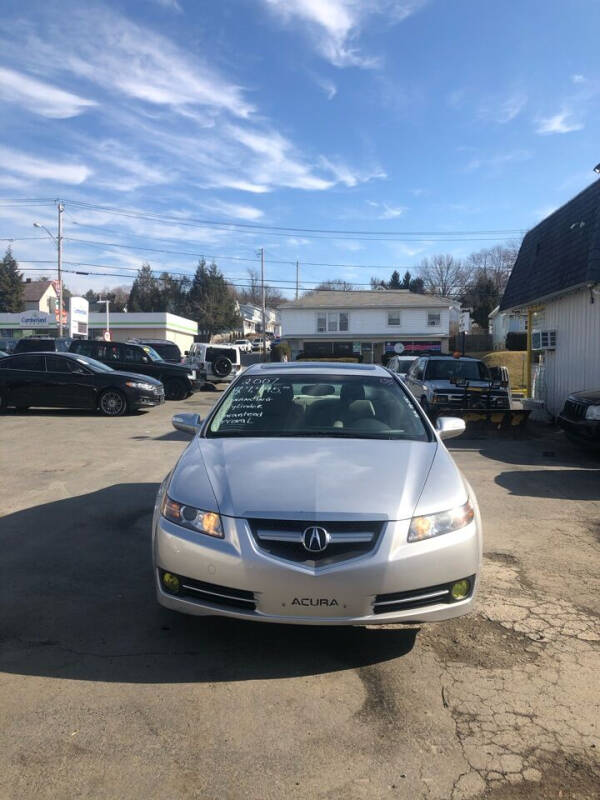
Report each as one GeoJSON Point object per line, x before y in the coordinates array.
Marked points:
{"type": "Point", "coordinates": [317, 494]}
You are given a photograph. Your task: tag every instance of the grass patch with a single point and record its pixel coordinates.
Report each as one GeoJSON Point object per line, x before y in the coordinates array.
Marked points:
{"type": "Point", "coordinates": [514, 360]}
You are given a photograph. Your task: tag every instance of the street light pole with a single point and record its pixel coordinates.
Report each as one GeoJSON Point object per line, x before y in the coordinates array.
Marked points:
{"type": "Point", "coordinates": [106, 304]}
{"type": "Point", "coordinates": [61, 208]}
{"type": "Point", "coordinates": [58, 242]}
{"type": "Point", "coordinates": [264, 311]}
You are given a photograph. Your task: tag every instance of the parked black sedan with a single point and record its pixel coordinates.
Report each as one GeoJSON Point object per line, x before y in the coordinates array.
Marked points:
{"type": "Point", "coordinates": [580, 418]}
{"type": "Point", "coordinates": [66, 380]}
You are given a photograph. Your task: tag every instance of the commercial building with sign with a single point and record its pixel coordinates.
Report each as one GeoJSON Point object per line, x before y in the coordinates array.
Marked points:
{"type": "Point", "coordinates": [366, 323]}
{"type": "Point", "coordinates": [123, 326]}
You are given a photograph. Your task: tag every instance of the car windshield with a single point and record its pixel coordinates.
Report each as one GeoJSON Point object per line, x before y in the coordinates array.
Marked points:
{"type": "Point", "coordinates": [151, 352]}
{"type": "Point", "coordinates": [445, 369]}
{"type": "Point", "coordinates": [350, 406]}
{"type": "Point", "coordinates": [91, 362]}
{"type": "Point", "coordinates": [402, 364]}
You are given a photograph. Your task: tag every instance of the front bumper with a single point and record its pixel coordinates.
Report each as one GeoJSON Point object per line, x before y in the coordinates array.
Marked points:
{"type": "Point", "coordinates": [587, 431]}
{"type": "Point", "coordinates": [148, 399]}
{"type": "Point", "coordinates": [344, 593]}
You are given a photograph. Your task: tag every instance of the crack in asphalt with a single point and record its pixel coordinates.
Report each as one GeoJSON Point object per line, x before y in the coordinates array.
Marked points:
{"type": "Point", "coordinates": [512, 720]}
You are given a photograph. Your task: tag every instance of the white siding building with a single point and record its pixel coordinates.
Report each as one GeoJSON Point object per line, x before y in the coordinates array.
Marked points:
{"type": "Point", "coordinates": [501, 323]}
{"type": "Point", "coordinates": [365, 323]}
{"type": "Point", "coordinates": [556, 281]}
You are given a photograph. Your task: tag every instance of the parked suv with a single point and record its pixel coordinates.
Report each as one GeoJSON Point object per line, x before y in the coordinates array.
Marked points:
{"type": "Point", "coordinates": [166, 349]}
{"type": "Point", "coordinates": [179, 381]}
{"type": "Point", "coordinates": [42, 344]}
{"type": "Point", "coordinates": [215, 363]}
{"type": "Point", "coordinates": [445, 382]}
{"type": "Point", "coordinates": [580, 418]}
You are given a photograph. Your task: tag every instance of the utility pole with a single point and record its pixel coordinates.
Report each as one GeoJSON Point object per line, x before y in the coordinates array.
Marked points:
{"type": "Point", "coordinates": [61, 208]}
{"type": "Point", "coordinates": [264, 310]}
{"type": "Point", "coordinates": [297, 277]}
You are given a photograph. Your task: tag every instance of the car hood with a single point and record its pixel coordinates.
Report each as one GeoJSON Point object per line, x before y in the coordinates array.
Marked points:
{"type": "Point", "coordinates": [591, 396]}
{"type": "Point", "coordinates": [310, 479]}
{"type": "Point", "coordinates": [137, 376]}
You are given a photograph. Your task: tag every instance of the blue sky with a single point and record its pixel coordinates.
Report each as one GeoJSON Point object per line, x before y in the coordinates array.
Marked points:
{"type": "Point", "coordinates": [387, 116]}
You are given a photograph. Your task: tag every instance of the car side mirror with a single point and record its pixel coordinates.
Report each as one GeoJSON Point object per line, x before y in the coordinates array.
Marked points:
{"type": "Point", "coordinates": [186, 352]}
{"type": "Point", "coordinates": [449, 427]}
{"type": "Point", "coordinates": [188, 423]}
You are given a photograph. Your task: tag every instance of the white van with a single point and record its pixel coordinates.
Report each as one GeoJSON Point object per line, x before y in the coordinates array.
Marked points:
{"type": "Point", "coordinates": [215, 363]}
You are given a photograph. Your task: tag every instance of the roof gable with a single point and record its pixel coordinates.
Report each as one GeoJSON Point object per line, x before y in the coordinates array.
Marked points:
{"type": "Point", "coordinates": [35, 290]}
{"type": "Point", "coordinates": [561, 252]}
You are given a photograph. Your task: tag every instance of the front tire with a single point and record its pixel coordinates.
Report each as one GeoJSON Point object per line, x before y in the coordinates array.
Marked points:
{"type": "Point", "coordinates": [175, 389]}
{"type": "Point", "coordinates": [112, 403]}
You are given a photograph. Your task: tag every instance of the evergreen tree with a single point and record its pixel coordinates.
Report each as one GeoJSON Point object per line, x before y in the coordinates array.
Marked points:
{"type": "Point", "coordinates": [416, 285]}
{"type": "Point", "coordinates": [482, 296]}
{"type": "Point", "coordinates": [11, 285]}
{"type": "Point", "coordinates": [406, 280]}
{"type": "Point", "coordinates": [394, 282]}
{"type": "Point", "coordinates": [145, 292]}
{"type": "Point", "coordinates": [211, 302]}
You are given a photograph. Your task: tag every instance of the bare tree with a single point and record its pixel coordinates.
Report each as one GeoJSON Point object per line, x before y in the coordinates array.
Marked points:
{"type": "Point", "coordinates": [337, 285]}
{"type": "Point", "coordinates": [252, 293]}
{"type": "Point", "coordinates": [444, 275]}
{"type": "Point", "coordinates": [494, 263]}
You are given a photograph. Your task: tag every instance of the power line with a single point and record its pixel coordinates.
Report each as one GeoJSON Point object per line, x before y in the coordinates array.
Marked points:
{"type": "Point", "coordinates": [315, 233]}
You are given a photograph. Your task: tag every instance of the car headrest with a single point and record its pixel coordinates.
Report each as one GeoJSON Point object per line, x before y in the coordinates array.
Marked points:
{"type": "Point", "coordinates": [351, 392]}
{"type": "Point", "coordinates": [318, 389]}
{"type": "Point", "coordinates": [360, 409]}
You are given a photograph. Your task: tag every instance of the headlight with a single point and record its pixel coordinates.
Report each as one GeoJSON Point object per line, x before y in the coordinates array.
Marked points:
{"type": "Point", "coordinates": [147, 387]}
{"type": "Point", "coordinates": [437, 524]}
{"type": "Point", "coordinates": [593, 412]}
{"type": "Point", "coordinates": [208, 522]}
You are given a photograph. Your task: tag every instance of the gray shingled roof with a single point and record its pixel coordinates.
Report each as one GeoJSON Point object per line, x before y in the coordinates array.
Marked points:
{"type": "Point", "coordinates": [561, 252]}
{"type": "Point", "coordinates": [389, 298]}
{"type": "Point", "coordinates": [34, 291]}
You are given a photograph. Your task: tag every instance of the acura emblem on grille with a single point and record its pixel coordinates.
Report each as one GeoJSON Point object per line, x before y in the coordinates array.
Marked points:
{"type": "Point", "coordinates": [315, 539]}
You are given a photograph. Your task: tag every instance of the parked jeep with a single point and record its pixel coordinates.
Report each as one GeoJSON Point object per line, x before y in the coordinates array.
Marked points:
{"type": "Point", "coordinates": [214, 363]}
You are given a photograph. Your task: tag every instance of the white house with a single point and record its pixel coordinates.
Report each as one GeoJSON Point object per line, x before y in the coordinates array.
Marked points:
{"type": "Point", "coordinates": [40, 296]}
{"type": "Point", "coordinates": [556, 281]}
{"type": "Point", "coordinates": [252, 319]}
{"type": "Point", "coordinates": [502, 322]}
{"type": "Point", "coordinates": [366, 323]}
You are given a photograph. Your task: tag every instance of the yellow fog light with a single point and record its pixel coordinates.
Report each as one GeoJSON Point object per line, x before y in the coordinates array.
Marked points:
{"type": "Point", "coordinates": [171, 582]}
{"type": "Point", "coordinates": [460, 589]}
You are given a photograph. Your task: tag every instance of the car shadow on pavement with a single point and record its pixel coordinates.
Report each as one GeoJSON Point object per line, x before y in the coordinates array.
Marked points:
{"type": "Point", "coordinates": [556, 484]}
{"type": "Point", "coordinates": [550, 448]}
{"type": "Point", "coordinates": [171, 436]}
{"type": "Point", "coordinates": [78, 602]}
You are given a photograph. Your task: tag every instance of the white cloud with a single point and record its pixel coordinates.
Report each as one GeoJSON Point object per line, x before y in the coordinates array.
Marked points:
{"type": "Point", "coordinates": [234, 210]}
{"type": "Point", "coordinates": [172, 5]}
{"type": "Point", "coordinates": [387, 211]}
{"type": "Point", "coordinates": [504, 110]}
{"type": "Point", "coordinates": [456, 98]}
{"type": "Point", "coordinates": [559, 123]}
{"type": "Point", "coordinates": [109, 50]}
{"type": "Point", "coordinates": [335, 25]}
{"type": "Point", "coordinates": [41, 169]}
{"type": "Point", "coordinates": [577, 78]}
{"type": "Point", "coordinates": [327, 86]}
{"type": "Point", "coordinates": [39, 97]}
{"type": "Point", "coordinates": [349, 176]}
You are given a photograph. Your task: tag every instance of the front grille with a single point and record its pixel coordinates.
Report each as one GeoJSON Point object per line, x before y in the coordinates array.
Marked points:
{"type": "Point", "coordinates": [574, 410]}
{"type": "Point", "coordinates": [284, 539]}
{"type": "Point", "coordinates": [417, 598]}
{"type": "Point", "coordinates": [213, 593]}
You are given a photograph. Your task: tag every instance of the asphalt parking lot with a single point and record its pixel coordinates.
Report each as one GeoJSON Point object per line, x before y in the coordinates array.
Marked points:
{"type": "Point", "coordinates": [103, 694]}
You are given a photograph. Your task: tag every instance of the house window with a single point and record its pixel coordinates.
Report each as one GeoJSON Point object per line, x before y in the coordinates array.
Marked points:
{"type": "Point", "coordinates": [394, 318]}
{"type": "Point", "coordinates": [433, 320]}
{"type": "Point", "coordinates": [332, 322]}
